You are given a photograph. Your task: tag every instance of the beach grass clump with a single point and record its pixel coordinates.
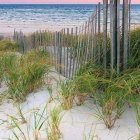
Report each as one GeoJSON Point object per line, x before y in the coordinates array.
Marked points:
{"type": "Point", "coordinates": [67, 93]}
{"type": "Point", "coordinates": [134, 59]}
{"type": "Point", "coordinates": [111, 104]}
{"type": "Point", "coordinates": [106, 88]}
{"type": "Point", "coordinates": [55, 117]}
{"type": "Point", "coordinates": [121, 90]}
{"type": "Point", "coordinates": [136, 105]}
{"type": "Point", "coordinates": [87, 77]}
{"type": "Point", "coordinates": [7, 61]}
{"type": "Point", "coordinates": [132, 79]}
{"type": "Point", "coordinates": [137, 110]}
{"type": "Point", "coordinates": [111, 92]}
{"type": "Point", "coordinates": [6, 45]}
{"type": "Point", "coordinates": [27, 75]}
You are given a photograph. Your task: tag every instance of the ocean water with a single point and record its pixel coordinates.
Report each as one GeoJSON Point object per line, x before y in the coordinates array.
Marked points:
{"type": "Point", "coordinates": [53, 17]}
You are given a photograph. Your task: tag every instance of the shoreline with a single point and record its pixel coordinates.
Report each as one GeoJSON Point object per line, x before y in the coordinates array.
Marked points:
{"type": "Point", "coordinates": [8, 31]}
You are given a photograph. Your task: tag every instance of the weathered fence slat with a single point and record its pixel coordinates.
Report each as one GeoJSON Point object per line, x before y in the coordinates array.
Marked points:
{"type": "Point", "coordinates": [105, 2]}
{"type": "Point", "coordinates": [95, 34]}
{"type": "Point", "coordinates": [125, 32]}
{"type": "Point", "coordinates": [67, 52]}
{"type": "Point", "coordinates": [118, 36]}
{"type": "Point", "coordinates": [111, 32]}
{"type": "Point", "coordinates": [99, 35]}
{"type": "Point", "coordinates": [74, 51]}
{"type": "Point", "coordinates": [70, 51]}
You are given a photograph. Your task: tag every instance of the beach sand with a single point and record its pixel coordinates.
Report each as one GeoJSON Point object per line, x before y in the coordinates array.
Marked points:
{"type": "Point", "coordinates": [77, 124]}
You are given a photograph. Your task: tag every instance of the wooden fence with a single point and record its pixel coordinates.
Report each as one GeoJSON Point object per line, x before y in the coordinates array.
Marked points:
{"type": "Point", "coordinates": [104, 39]}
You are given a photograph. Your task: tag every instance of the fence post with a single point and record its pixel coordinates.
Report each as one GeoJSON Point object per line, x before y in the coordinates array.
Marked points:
{"type": "Point", "coordinates": [112, 32]}
{"type": "Point", "coordinates": [14, 37]}
{"type": "Point", "coordinates": [24, 41]}
{"type": "Point", "coordinates": [125, 30]}
{"type": "Point", "coordinates": [99, 51]}
{"type": "Point", "coordinates": [55, 51]}
{"type": "Point", "coordinates": [75, 52]}
{"type": "Point", "coordinates": [84, 43]}
{"type": "Point", "coordinates": [64, 51]}
{"type": "Point", "coordinates": [60, 51]}
{"type": "Point", "coordinates": [80, 36]}
{"type": "Point", "coordinates": [118, 36]}
{"type": "Point", "coordinates": [67, 70]}
{"type": "Point", "coordinates": [92, 36]}
{"type": "Point", "coordinates": [57, 45]}
{"type": "Point", "coordinates": [105, 3]}
{"type": "Point", "coordinates": [129, 26]}
{"type": "Point", "coordinates": [78, 48]}
{"type": "Point", "coordinates": [87, 41]}
{"type": "Point", "coordinates": [71, 46]}
{"type": "Point", "coordinates": [95, 33]}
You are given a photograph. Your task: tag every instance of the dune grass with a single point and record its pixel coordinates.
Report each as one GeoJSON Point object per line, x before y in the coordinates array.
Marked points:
{"type": "Point", "coordinates": [134, 59]}
{"type": "Point", "coordinates": [6, 45]}
{"type": "Point", "coordinates": [137, 110]}
{"type": "Point", "coordinates": [43, 125]}
{"type": "Point", "coordinates": [55, 117]}
{"type": "Point", "coordinates": [7, 56]}
{"type": "Point", "coordinates": [7, 61]}
{"type": "Point", "coordinates": [111, 92]}
{"type": "Point", "coordinates": [27, 74]}
{"type": "Point", "coordinates": [67, 94]}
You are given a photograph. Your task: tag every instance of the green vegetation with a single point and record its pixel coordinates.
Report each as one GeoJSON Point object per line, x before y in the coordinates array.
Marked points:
{"type": "Point", "coordinates": [7, 62]}
{"type": "Point", "coordinates": [41, 121]}
{"type": "Point", "coordinates": [110, 91]}
{"type": "Point", "coordinates": [53, 133]}
{"type": "Point", "coordinates": [22, 74]}
{"type": "Point", "coordinates": [67, 93]}
{"type": "Point", "coordinates": [7, 56]}
{"type": "Point", "coordinates": [134, 59]}
{"type": "Point", "coordinates": [27, 74]}
{"type": "Point", "coordinates": [6, 45]}
{"type": "Point", "coordinates": [137, 109]}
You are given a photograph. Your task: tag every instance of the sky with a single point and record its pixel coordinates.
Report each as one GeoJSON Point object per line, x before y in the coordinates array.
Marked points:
{"type": "Point", "coordinates": [56, 1]}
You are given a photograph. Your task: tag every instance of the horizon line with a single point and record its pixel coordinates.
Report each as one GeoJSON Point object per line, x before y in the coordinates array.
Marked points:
{"type": "Point", "coordinates": [56, 3]}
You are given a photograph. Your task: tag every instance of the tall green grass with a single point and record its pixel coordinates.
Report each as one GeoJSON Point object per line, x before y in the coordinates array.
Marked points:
{"type": "Point", "coordinates": [134, 59]}
{"type": "Point", "coordinates": [7, 61]}
{"type": "Point", "coordinates": [27, 74]}
{"type": "Point", "coordinates": [67, 93]}
{"type": "Point", "coordinates": [110, 91]}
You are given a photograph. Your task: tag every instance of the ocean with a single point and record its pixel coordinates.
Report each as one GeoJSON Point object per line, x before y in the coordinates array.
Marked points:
{"type": "Point", "coordinates": [30, 17]}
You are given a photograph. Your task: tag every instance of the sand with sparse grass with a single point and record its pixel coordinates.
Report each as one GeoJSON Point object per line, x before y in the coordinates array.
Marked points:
{"type": "Point", "coordinates": [77, 124]}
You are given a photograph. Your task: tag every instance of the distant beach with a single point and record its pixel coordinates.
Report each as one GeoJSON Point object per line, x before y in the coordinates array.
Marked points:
{"type": "Point", "coordinates": [30, 18]}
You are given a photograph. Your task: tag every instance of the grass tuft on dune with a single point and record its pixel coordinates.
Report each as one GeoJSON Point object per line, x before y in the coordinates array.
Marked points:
{"type": "Point", "coordinates": [6, 45]}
